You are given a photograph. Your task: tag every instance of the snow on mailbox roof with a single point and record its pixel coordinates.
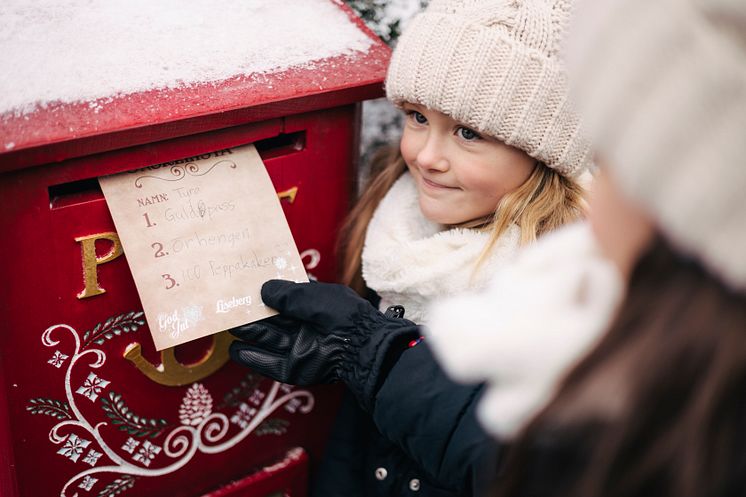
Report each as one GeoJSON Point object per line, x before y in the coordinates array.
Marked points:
{"type": "Point", "coordinates": [82, 50]}
{"type": "Point", "coordinates": [86, 76]}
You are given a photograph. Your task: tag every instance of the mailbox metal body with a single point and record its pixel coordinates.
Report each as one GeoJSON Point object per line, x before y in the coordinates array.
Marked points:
{"type": "Point", "coordinates": [87, 406]}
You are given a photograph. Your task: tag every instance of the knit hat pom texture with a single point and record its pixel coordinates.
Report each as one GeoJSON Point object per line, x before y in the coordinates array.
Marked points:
{"type": "Point", "coordinates": [662, 87]}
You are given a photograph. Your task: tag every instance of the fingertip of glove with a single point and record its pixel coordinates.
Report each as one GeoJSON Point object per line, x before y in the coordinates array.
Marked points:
{"type": "Point", "coordinates": [241, 331]}
{"type": "Point", "coordinates": [273, 291]}
{"type": "Point", "coordinates": [271, 287]}
{"type": "Point", "coordinates": [234, 351]}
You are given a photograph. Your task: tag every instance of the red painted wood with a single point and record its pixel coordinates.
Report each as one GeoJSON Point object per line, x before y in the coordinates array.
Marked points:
{"type": "Point", "coordinates": [287, 477]}
{"type": "Point", "coordinates": [8, 483]}
{"type": "Point", "coordinates": [306, 126]}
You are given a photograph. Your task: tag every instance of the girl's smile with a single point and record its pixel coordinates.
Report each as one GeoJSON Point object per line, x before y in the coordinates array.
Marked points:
{"type": "Point", "coordinates": [434, 185]}
{"type": "Point", "coordinates": [461, 175]}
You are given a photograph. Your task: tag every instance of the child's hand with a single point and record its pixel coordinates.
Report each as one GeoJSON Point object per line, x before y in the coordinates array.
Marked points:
{"type": "Point", "coordinates": [324, 333]}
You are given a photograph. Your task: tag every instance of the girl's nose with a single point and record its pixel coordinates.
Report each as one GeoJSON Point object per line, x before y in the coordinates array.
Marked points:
{"type": "Point", "coordinates": [431, 156]}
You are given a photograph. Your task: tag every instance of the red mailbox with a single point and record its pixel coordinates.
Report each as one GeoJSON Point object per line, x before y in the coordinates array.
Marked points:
{"type": "Point", "coordinates": [87, 406]}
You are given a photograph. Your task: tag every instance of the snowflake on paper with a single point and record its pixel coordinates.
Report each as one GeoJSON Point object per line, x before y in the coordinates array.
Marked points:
{"type": "Point", "coordinates": [147, 453]}
{"type": "Point", "coordinates": [281, 263]}
{"type": "Point", "coordinates": [87, 482]}
{"type": "Point", "coordinates": [243, 416]}
{"type": "Point", "coordinates": [92, 457]}
{"type": "Point", "coordinates": [192, 313]}
{"type": "Point", "coordinates": [257, 397]}
{"type": "Point", "coordinates": [130, 445]}
{"type": "Point", "coordinates": [57, 359]}
{"type": "Point", "coordinates": [293, 405]}
{"type": "Point", "coordinates": [74, 447]}
{"type": "Point", "coordinates": [92, 386]}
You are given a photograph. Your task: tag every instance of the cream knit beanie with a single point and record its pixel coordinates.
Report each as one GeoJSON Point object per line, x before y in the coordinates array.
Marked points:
{"type": "Point", "coordinates": [662, 86]}
{"type": "Point", "coordinates": [494, 65]}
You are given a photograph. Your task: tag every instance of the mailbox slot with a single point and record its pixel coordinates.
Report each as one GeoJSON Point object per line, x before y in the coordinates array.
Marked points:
{"type": "Point", "coordinates": [86, 190]}
{"type": "Point", "coordinates": [282, 144]}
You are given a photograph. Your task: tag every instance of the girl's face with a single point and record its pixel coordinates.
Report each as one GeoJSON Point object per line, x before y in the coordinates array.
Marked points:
{"type": "Point", "coordinates": [460, 174]}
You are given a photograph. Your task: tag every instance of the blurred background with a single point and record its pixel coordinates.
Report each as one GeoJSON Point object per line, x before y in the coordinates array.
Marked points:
{"type": "Point", "coordinates": [381, 121]}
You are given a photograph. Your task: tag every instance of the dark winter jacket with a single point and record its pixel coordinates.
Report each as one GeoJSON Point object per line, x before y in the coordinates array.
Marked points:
{"type": "Point", "coordinates": [421, 438]}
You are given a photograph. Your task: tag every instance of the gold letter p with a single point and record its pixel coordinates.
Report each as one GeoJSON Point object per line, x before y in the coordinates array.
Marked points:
{"type": "Point", "coordinates": [91, 261]}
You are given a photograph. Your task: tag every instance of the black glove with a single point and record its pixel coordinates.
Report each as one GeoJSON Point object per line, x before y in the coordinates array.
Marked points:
{"type": "Point", "coordinates": [324, 333]}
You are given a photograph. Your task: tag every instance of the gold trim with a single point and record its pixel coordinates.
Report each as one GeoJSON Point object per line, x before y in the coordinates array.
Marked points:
{"type": "Point", "coordinates": [171, 372]}
{"type": "Point", "coordinates": [289, 194]}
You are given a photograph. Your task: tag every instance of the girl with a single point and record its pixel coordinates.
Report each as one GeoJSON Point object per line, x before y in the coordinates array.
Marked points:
{"type": "Point", "coordinates": [488, 160]}
{"type": "Point", "coordinates": [658, 405]}
{"type": "Point", "coordinates": [489, 156]}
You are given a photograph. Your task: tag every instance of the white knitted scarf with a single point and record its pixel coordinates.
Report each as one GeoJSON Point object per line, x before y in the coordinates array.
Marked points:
{"type": "Point", "coordinates": [540, 315]}
{"type": "Point", "coordinates": [409, 260]}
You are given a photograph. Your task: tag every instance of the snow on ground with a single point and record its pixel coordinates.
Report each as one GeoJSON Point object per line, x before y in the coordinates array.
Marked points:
{"type": "Point", "coordinates": [82, 50]}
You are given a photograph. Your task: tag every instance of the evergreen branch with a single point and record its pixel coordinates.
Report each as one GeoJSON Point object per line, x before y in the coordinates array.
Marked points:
{"type": "Point", "coordinates": [242, 391]}
{"type": "Point", "coordinates": [273, 426]}
{"type": "Point", "coordinates": [56, 408]}
{"type": "Point", "coordinates": [118, 486]}
{"type": "Point", "coordinates": [125, 420]}
{"type": "Point", "coordinates": [114, 326]}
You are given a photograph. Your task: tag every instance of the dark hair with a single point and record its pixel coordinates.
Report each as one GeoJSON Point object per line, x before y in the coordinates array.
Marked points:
{"type": "Point", "coordinates": [658, 407]}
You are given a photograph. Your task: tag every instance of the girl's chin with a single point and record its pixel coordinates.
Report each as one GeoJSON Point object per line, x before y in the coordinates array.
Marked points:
{"type": "Point", "coordinates": [438, 214]}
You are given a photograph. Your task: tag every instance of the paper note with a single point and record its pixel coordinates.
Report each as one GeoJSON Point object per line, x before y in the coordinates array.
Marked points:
{"type": "Point", "coordinates": [201, 236]}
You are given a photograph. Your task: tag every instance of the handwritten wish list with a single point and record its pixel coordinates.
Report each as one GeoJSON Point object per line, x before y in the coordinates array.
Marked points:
{"type": "Point", "coordinates": [201, 235]}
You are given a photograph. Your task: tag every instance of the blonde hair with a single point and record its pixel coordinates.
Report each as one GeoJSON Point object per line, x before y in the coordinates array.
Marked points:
{"type": "Point", "coordinates": [545, 201]}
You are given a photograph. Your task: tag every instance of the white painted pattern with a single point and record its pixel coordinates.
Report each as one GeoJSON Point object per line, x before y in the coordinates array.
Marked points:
{"type": "Point", "coordinates": [209, 436]}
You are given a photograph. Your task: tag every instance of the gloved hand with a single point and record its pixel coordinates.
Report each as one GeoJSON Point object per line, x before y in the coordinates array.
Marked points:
{"type": "Point", "coordinates": [324, 333]}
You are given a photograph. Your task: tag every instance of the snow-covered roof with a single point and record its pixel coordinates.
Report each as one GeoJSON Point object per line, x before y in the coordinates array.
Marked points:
{"type": "Point", "coordinates": [84, 50]}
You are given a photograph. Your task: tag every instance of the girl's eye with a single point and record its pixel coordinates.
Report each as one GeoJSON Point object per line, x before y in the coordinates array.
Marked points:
{"type": "Point", "coordinates": [468, 134]}
{"type": "Point", "coordinates": [417, 116]}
